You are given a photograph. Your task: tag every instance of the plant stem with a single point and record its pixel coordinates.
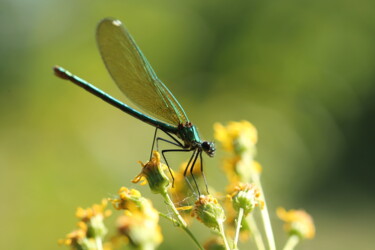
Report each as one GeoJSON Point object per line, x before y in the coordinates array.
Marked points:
{"type": "Point", "coordinates": [291, 243]}
{"type": "Point", "coordinates": [168, 218]}
{"type": "Point", "coordinates": [170, 204]}
{"type": "Point", "coordinates": [238, 227]}
{"type": "Point", "coordinates": [179, 220]}
{"type": "Point", "coordinates": [248, 159]}
{"type": "Point", "coordinates": [267, 222]}
{"type": "Point", "coordinates": [99, 244]}
{"type": "Point", "coordinates": [255, 232]}
{"type": "Point", "coordinates": [222, 234]}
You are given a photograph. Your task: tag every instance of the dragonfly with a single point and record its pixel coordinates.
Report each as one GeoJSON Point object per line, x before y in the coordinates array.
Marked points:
{"type": "Point", "coordinates": [137, 80]}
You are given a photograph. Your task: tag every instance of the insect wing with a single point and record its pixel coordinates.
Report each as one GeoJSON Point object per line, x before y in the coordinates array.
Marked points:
{"type": "Point", "coordinates": [134, 75]}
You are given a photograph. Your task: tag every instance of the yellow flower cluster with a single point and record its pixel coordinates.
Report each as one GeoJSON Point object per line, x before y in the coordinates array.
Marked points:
{"type": "Point", "coordinates": [138, 224]}
{"type": "Point", "coordinates": [239, 139]}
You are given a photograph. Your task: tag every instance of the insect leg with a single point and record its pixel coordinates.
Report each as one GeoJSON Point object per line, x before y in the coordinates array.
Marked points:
{"type": "Point", "coordinates": [166, 162]}
{"type": "Point", "coordinates": [153, 142]}
{"type": "Point", "coordinates": [204, 177]}
{"type": "Point", "coordinates": [174, 139]}
{"type": "Point", "coordinates": [165, 140]}
{"type": "Point", "coordinates": [191, 171]}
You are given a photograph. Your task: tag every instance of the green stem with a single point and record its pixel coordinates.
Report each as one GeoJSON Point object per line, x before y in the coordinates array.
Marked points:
{"type": "Point", "coordinates": [238, 227]}
{"type": "Point", "coordinates": [267, 221]}
{"type": "Point", "coordinates": [169, 218]}
{"type": "Point", "coordinates": [99, 244]}
{"type": "Point", "coordinates": [179, 220]}
{"type": "Point", "coordinates": [222, 234]}
{"type": "Point", "coordinates": [264, 212]}
{"type": "Point", "coordinates": [170, 204]}
{"type": "Point", "coordinates": [255, 232]}
{"type": "Point", "coordinates": [291, 243]}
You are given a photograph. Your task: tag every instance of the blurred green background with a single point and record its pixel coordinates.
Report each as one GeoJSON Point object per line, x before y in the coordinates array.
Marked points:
{"type": "Point", "coordinates": [301, 71]}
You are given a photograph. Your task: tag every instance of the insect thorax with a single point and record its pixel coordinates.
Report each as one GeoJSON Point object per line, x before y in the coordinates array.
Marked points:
{"type": "Point", "coordinates": [188, 133]}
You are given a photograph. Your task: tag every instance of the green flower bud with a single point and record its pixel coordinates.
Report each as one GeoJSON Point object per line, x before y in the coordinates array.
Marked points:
{"type": "Point", "coordinates": [153, 172]}
{"type": "Point", "coordinates": [245, 196]}
{"type": "Point", "coordinates": [209, 211]}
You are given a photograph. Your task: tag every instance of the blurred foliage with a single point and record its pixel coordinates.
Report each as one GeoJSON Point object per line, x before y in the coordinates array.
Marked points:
{"type": "Point", "coordinates": [301, 71]}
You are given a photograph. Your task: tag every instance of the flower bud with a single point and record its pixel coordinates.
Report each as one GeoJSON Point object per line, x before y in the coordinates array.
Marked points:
{"type": "Point", "coordinates": [245, 196]}
{"type": "Point", "coordinates": [209, 211]}
{"type": "Point", "coordinates": [153, 172]}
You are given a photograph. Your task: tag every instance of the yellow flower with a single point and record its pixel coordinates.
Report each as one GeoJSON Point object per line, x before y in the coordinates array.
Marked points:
{"type": "Point", "coordinates": [141, 228]}
{"type": "Point", "coordinates": [208, 210]}
{"type": "Point", "coordinates": [132, 201]}
{"type": "Point", "coordinates": [237, 137]}
{"type": "Point", "coordinates": [90, 227]}
{"type": "Point", "coordinates": [153, 172]}
{"type": "Point", "coordinates": [127, 199]}
{"type": "Point", "coordinates": [139, 223]}
{"type": "Point", "coordinates": [96, 209]}
{"type": "Point", "coordinates": [297, 222]}
{"type": "Point", "coordinates": [92, 218]}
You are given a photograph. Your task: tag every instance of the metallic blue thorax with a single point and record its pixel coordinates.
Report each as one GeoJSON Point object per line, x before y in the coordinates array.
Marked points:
{"type": "Point", "coordinates": [189, 134]}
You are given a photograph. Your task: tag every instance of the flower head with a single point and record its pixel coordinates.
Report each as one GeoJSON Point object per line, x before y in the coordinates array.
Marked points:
{"type": "Point", "coordinates": [297, 222]}
{"type": "Point", "coordinates": [128, 199]}
{"type": "Point", "coordinates": [245, 196]}
{"type": "Point", "coordinates": [153, 172]}
{"type": "Point", "coordinates": [208, 210]}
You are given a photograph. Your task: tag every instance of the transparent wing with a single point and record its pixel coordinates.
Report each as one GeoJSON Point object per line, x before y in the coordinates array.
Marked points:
{"type": "Point", "coordinates": [134, 75]}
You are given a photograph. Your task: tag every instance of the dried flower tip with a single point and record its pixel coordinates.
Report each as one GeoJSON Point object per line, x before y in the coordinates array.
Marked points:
{"type": "Point", "coordinates": [297, 222]}
{"type": "Point", "coordinates": [245, 196]}
{"type": "Point", "coordinates": [237, 137]}
{"type": "Point", "coordinates": [153, 172]}
{"type": "Point", "coordinates": [209, 211]}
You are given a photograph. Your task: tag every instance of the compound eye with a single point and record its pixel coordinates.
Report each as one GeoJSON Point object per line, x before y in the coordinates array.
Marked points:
{"type": "Point", "coordinates": [206, 146]}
